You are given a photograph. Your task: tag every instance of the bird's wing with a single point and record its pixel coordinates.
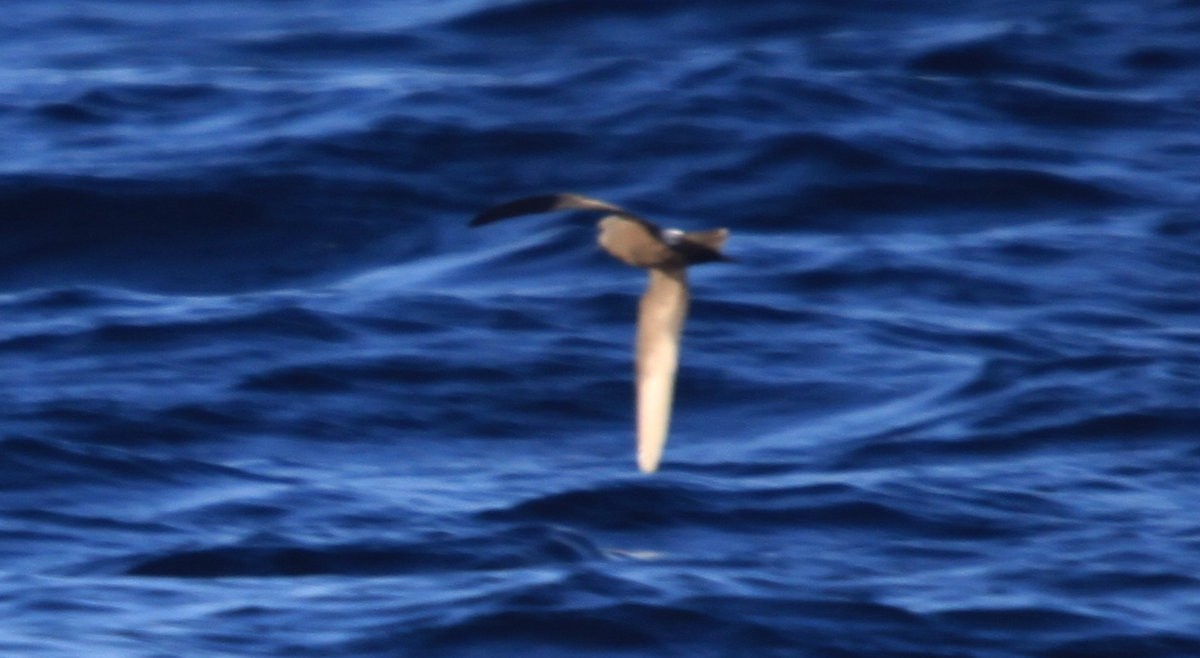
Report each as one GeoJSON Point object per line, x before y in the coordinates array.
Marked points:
{"type": "Point", "coordinates": [660, 322]}
{"type": "Point", "coordinates": [547, 203]}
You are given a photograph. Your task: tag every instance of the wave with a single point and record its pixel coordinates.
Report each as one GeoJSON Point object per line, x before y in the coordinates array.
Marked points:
{"type": "Point", "coordinates": [261, 378]}
{"type": "Point", "coordinates": [516, 548]}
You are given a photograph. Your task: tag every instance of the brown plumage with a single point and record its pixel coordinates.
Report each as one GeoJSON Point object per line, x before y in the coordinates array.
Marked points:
{"type": "Point", "coordinates": [666, 253]}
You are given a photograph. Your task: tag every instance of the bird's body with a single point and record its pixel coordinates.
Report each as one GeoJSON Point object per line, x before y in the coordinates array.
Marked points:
{"type": "Point", "coordinates": [666, 253]}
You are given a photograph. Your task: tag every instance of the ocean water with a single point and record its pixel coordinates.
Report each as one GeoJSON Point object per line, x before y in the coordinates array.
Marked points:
{"type": "Point", "coordinates": [265, 394]}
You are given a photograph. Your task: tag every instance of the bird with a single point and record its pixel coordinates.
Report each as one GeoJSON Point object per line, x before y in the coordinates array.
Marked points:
{"type": "Point", "coordinates": [665, 253]}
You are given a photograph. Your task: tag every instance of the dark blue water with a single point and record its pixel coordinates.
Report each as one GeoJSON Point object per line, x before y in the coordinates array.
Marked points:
{"type": "Point", "coordinates": [266, 395]}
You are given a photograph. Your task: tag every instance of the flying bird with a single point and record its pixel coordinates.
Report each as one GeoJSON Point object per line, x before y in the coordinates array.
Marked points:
{"type": "Point", "coordinates": [666, 254]}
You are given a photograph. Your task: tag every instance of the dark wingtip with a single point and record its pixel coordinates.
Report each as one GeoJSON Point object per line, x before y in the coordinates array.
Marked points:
{"type": "Point", "coordinates": [531, 205]}
{"type": "Point", "coordinates": [524, 206]}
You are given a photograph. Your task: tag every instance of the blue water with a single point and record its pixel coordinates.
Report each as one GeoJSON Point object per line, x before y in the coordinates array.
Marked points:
{"type": "Point", "coordinates": [265, 394]}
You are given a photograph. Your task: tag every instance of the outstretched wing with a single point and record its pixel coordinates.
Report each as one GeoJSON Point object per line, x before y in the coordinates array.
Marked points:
{"type": "Point", "coordinates": [548, 203]}
{"type": "Point", "coordinates": [660, 322]}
